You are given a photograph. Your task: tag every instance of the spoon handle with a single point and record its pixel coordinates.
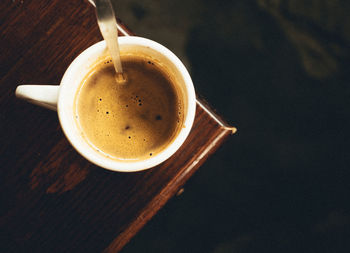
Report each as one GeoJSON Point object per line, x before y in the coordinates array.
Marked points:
{"type": "Point", "coordinates": [108, 27]}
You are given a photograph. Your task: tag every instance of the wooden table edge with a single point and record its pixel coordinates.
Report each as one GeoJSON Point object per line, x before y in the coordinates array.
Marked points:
{"type": "Point", "coordinates": [166, 194]}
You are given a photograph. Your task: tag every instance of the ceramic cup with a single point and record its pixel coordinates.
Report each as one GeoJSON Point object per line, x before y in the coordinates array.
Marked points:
{"type": "Point", "coordinates": [62, 98]}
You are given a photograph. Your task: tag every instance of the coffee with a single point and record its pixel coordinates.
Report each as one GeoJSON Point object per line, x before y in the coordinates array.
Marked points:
{"type": "Point", "coordinates": [131, 121]}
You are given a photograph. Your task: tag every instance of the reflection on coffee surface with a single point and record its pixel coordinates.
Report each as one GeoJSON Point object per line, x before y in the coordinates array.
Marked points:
{"type": "Point", "coordinates": [130, 121]}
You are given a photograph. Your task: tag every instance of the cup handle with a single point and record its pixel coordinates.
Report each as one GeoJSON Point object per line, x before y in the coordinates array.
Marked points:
{"type": "Point", "coordinates": [42, 95]}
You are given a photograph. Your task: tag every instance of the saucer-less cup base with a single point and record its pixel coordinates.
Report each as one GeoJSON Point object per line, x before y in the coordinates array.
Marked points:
{"type": "Point", "coordinates": [64, 96]}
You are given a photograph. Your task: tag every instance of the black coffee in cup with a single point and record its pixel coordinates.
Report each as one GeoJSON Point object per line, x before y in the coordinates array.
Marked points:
{"type": "Point", "coordinates": [133, 120]}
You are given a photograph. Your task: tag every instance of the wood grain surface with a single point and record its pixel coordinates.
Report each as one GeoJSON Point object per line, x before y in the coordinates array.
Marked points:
{"type": "Point", "coordinates": [52, 199]}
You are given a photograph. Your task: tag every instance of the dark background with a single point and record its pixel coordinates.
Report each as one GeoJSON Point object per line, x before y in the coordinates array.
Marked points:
{"type": "Point", "coordinates": [278, 71]}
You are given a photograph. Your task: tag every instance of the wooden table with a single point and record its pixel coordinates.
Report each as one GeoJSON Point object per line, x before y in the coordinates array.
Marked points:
{"type": "Point", "coordinates": [52, 199]}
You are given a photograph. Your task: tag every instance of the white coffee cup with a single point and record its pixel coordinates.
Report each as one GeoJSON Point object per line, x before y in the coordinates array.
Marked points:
{"type": "Point", "coordinates": [62, 98]}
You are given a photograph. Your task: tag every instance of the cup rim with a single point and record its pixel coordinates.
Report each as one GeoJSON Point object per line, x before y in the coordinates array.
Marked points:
{"type": "Point", "coordinates": [90, 154]}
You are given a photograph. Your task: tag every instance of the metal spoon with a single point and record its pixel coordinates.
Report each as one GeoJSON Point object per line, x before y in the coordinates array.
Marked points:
{"type": "Point", "coordinates": [108, 26]}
